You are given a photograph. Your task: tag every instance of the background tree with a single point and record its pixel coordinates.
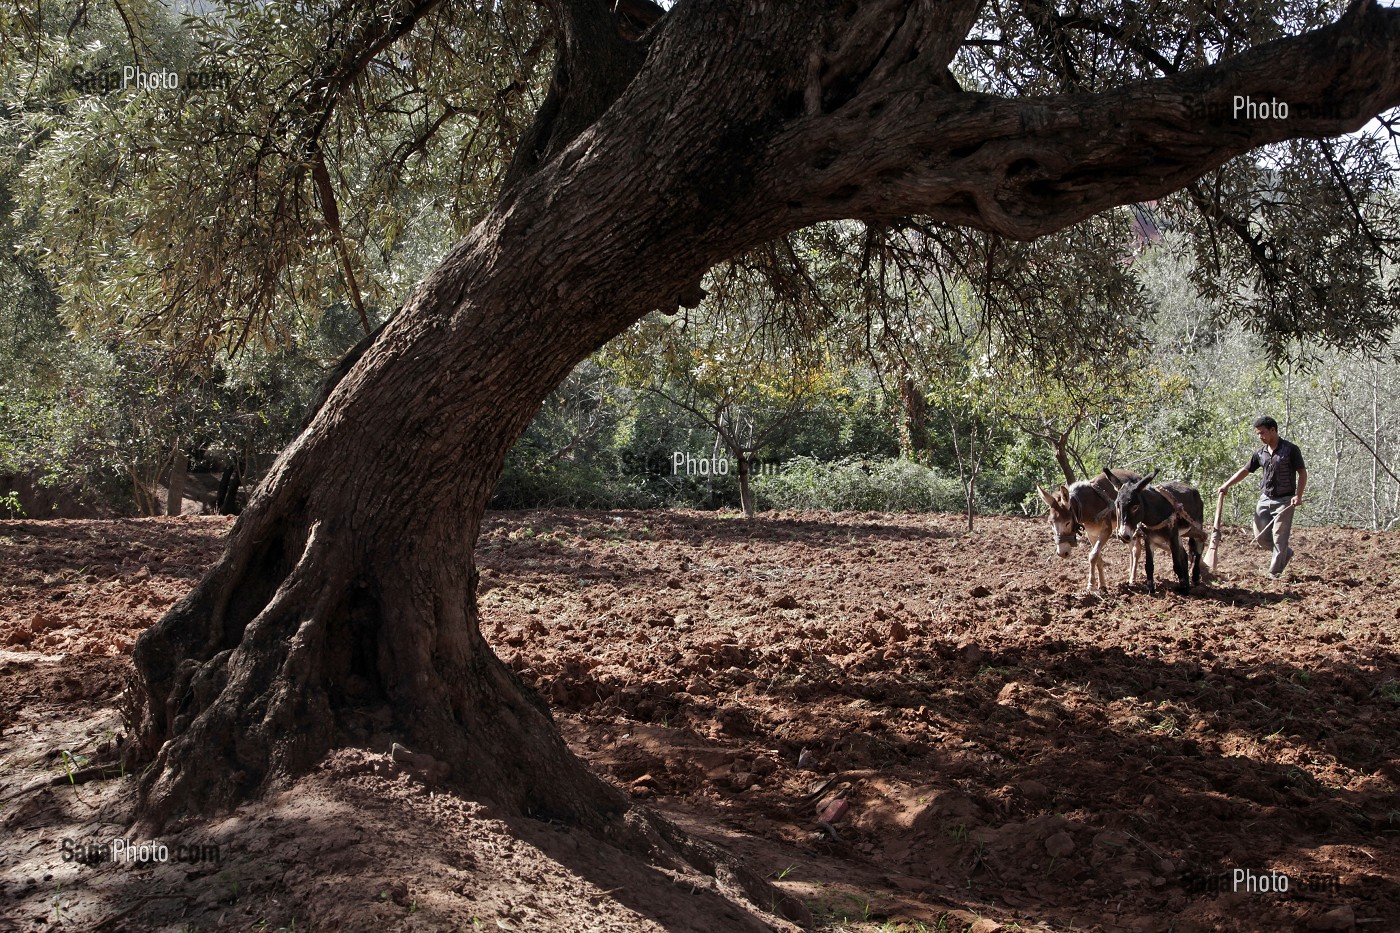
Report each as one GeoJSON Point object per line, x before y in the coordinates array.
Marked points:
{"type": "Point", "coordinates": [959, 394]}
{"type": "Point", "coordinates": [111, 376]}
{"type": "Point", "coordinates": [1086, 413]}
{"type": "Point", "coordinates": [730, 366]}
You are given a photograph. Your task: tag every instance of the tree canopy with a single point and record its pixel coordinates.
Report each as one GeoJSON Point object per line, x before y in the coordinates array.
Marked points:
{"type": "Point", "coordinates": [330, 151]}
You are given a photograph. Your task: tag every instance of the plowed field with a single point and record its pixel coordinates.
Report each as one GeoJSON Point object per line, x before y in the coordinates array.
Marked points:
{"type": "Point", "coordinates": [899, 722]}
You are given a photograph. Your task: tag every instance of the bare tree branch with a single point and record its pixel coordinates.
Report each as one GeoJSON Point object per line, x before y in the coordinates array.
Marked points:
{"type": "Point", "coordinates": [331, 211]}
{"type": "Point", "coordinates": [1331, 409]}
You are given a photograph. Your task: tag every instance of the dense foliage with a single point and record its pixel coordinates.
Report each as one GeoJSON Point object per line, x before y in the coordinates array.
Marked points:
{"type": "Point", "coordinates": [1181, 401]}
{"type": "Point", "coordinates": [179, 270]}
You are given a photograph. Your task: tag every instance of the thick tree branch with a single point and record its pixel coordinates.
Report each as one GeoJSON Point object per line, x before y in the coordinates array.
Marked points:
{"type": "Point", "coordinates": [595, 58]}
{"type": "Point", "coordinates": [635, 17]}
{"type": "Point", "coordinates": [885, 42]}
{"type": "Point", "coordinates": [1026, 167]}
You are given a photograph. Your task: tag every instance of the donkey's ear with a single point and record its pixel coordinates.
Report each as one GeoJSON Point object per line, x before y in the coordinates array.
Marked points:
{"type": "Point", "coordinates": [1049, 499]}
{"type": "Point", "coordinates": [1113, 480]}
{"type": "Point", "coordinates": [1147, 480]}
{"type": "Point", "coordinates": [1063, 493]}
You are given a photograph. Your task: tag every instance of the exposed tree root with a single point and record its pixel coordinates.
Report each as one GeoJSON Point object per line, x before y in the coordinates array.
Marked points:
{"type": "Point", "coordinates": [667, 843]}
{"type": "Point", "coordinates": [248, 685]}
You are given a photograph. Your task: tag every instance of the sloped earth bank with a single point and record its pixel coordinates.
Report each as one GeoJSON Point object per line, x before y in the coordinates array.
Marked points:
{"type": "Point", "coordinates": [908, 727]}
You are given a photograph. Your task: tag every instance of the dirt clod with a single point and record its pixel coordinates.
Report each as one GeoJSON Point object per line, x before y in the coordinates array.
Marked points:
{"type": "Point", "coordinates": [1339, 918]}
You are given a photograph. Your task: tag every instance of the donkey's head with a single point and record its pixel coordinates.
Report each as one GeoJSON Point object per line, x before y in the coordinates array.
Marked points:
{"type": "Point", "coordinates": [1062, 521]}
{"type": "Point", "coordinates": [1132, 507]}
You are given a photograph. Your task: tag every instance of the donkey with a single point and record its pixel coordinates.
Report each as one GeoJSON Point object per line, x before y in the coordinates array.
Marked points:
{"type": "Point", "coordinates": [1142, 510]}
{"type": "Point", "coordinates": [1088, 506]}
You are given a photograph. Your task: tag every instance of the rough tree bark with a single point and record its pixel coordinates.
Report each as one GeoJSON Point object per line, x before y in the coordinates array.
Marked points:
{"type": "Point", "coordinates": [226, 500]}
{"type": "Point", "coordinates": [1060, 445]}
{"type": "Point", "coordinates": [915, 419]}
{"type": "Point", "coordinates": [344, 609]}
{"type": "Point", "coordinates": [175, 492]}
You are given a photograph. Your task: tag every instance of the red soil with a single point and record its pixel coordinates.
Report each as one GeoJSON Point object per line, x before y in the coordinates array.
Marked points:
{"type": "Point", "coordinates": [989, 747]}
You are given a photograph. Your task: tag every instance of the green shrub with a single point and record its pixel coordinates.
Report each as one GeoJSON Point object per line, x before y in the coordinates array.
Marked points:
{"type": "Point", "coordinates": [888, 485]}
{"type": "Point", "coordinates": [10, 506]}
{"type": "Point", "coordinates": [569, 484]}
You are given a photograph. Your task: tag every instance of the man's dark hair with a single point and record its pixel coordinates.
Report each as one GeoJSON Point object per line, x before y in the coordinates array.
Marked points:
{"type": "Point", "coordinates": [1266, 422]}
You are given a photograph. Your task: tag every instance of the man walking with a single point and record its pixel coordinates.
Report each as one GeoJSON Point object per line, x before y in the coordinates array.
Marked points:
{"type": "Point", "coordinates": [1280, 492]}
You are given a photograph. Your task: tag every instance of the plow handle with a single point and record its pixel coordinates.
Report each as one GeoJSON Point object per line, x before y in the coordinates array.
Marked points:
{"type": "Point", "coordinates": [1215, 533]}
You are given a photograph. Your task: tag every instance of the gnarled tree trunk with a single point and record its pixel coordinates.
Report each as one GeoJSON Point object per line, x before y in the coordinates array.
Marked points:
{"type": "Point", "coordinates": [345, 608]}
